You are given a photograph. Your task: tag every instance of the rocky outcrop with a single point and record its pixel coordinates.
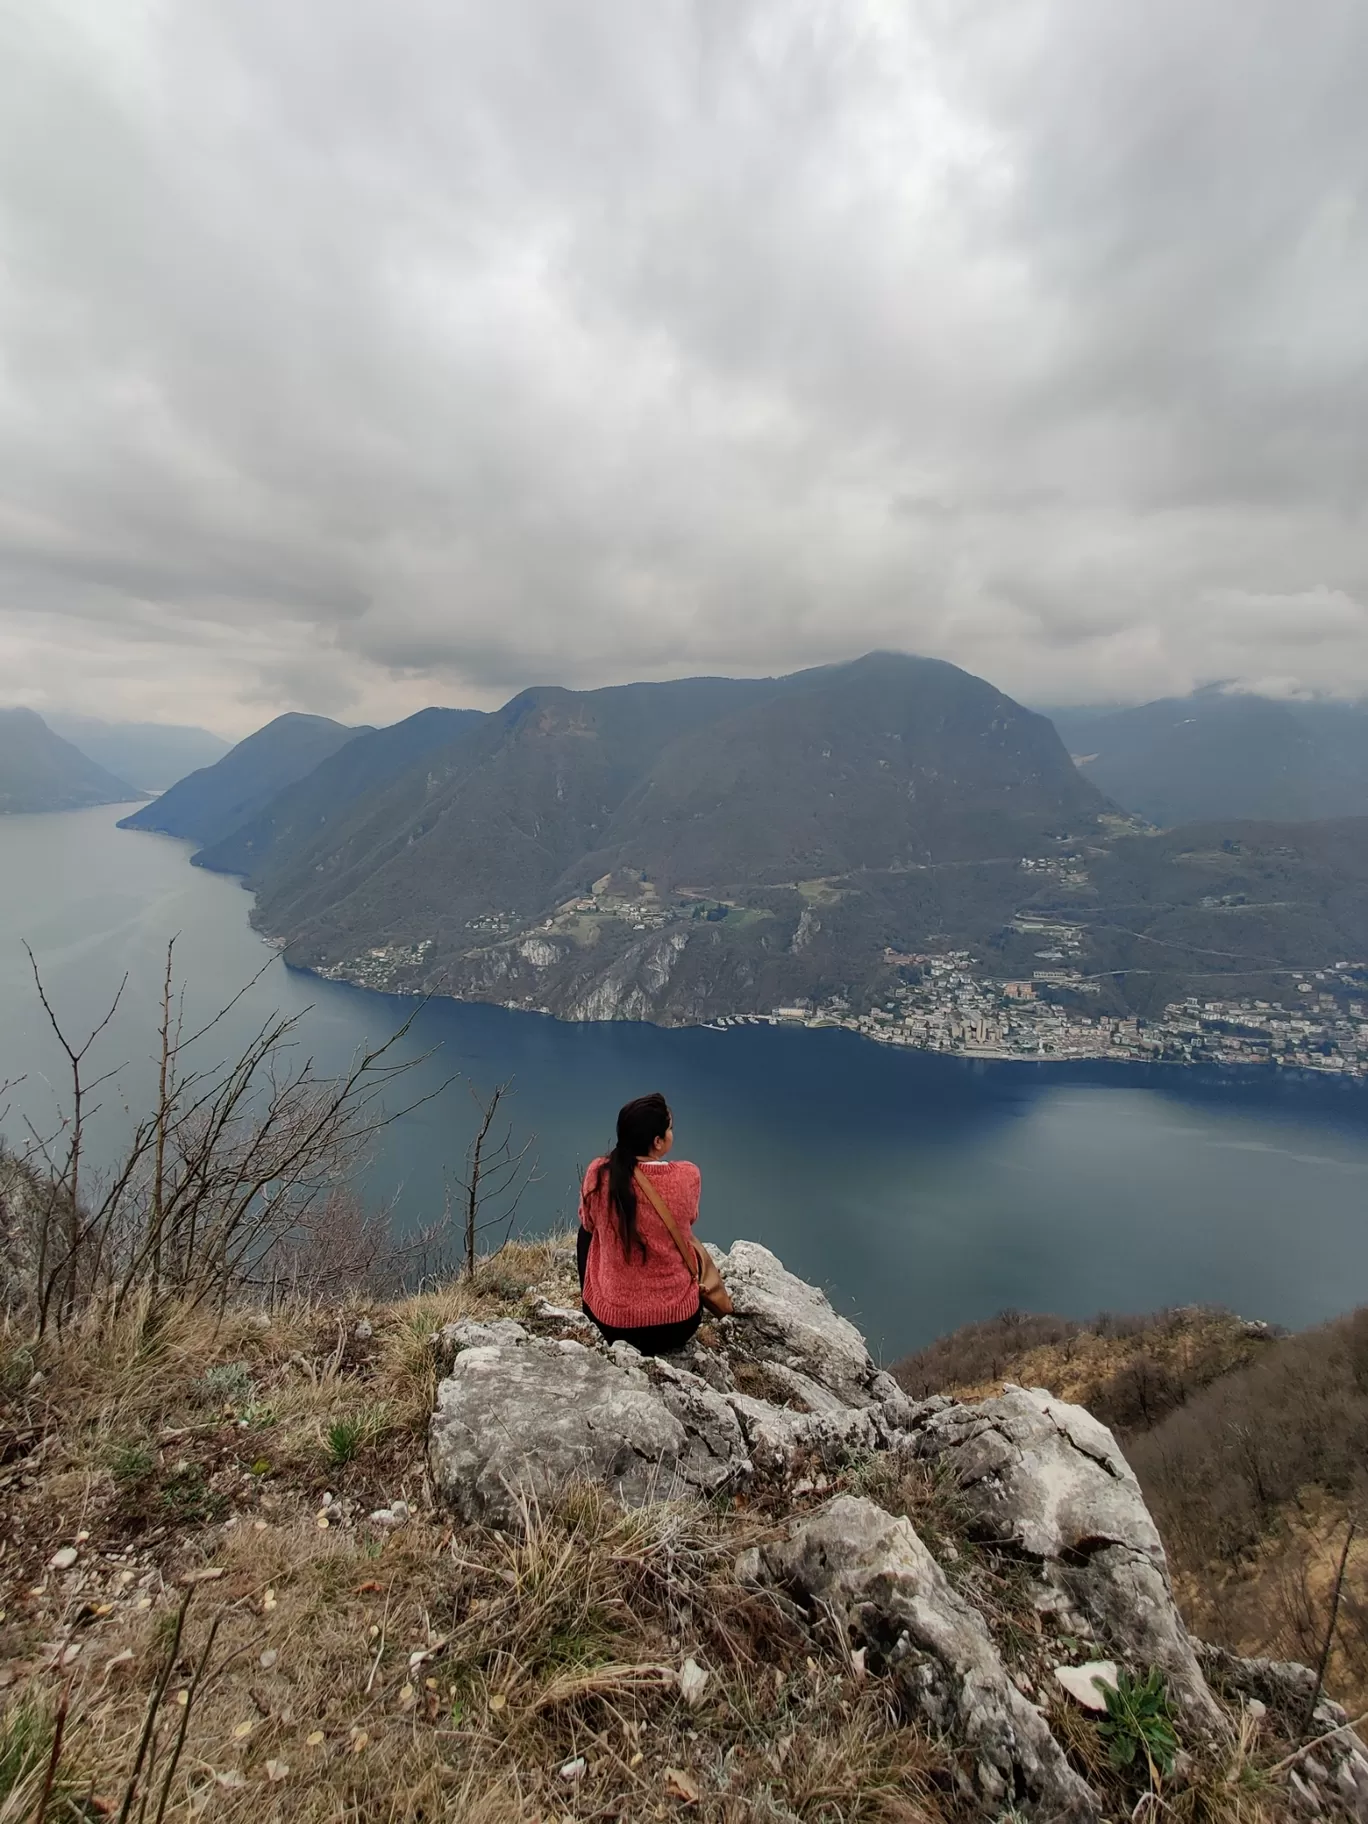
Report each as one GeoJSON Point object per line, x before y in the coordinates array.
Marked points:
{"type": "Point", "coordinates": [785, 1386]}
{"type": "Point", "coordinates": [1047, 1480]}
{"type": "Point", "coordinates": [782, 1399]}
{"type": "Point", "coordinates": [1332, 1779]}
{"type": "Point", "coordinates": [872, 1573]}
{"type": "Point", "coordinates": [791, 1327]}
{"type": "Point", "coordinates": [519, 1417]}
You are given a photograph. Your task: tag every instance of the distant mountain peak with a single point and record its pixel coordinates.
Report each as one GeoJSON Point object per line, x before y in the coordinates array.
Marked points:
{"type": "Point", "coordinates": [208, 805]}
{"type": "Point", "coordinates": [39, 771]}
{"type": "Point", "coordinates": [1224, 752]}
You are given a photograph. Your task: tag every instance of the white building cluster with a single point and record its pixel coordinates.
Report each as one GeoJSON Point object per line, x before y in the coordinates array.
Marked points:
{"type": "Point", "coordinates": [951, 1009]}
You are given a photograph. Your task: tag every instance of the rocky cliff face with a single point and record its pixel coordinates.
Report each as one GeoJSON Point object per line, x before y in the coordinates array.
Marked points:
{"type": "Point", "coordinates": [1023, 1567]}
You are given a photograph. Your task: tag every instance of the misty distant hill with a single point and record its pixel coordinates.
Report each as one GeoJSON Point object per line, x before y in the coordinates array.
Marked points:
{"type": "Point", "coordinates": [303, 815]}
{"type": "Point", "coordinates": [149, 755]}
{"type": "Point", "coordinates": [209, 805]}
{"type": "Point", "coordinates": [39, 771]}
{"type": "Point", "coordinates": [1223, 754]}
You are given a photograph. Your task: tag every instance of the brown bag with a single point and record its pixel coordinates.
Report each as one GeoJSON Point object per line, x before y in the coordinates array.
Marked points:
{"type": "Point", "coordinates": [712, 1289]}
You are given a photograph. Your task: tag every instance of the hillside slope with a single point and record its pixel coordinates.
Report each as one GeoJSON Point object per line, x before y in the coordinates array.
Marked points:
{"type": "Point", "coordinates": [39, 771]}
{"type": "Point", "coordinates": [1214, 909]}
{"type": "Point", "coordinates": [209, 805]}
{"type": "Point", "coordinates": [492, 820]}
{"type": "Point", "coordinates": [1250, 1447]}
{"type": "Point", "coordinates": [883, 763]}
{"type": "Point", "coordinates": [1220, 754]}
{"type": "Point", "coordinates": [555, 854]}
{"type": "Point", "coordinates": [252, 1536]}
{"type": "Point", "coordinates": [299, 818]}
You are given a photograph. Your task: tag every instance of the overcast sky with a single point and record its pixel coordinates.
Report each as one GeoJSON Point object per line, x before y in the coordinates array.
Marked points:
{"type": "Point", "coordinates": [362, 354]}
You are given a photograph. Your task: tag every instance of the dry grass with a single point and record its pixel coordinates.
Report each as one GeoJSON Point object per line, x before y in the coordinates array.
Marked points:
{"type": "Point", "coordinates": [1130, 1372]}
{"type": "Point", "coordinates": [403, 1673]}
{"type": "Point", "coordinates": [359, 1671]}
{"type": "Point", "coordinates": [1274, 1603]}
{"type": "Point", "coordinates": [429, 1674]}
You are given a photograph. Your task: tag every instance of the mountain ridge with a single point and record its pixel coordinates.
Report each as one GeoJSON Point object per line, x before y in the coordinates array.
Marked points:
{"type": "Point", "coordinates": [301, 810]}
{"type": "Point", "coordinates": [1221, 753]}
{"type": "Point", "coordinates": [151, 756]}
{"type": "Point", "coordinates": [676, 851]}
{"type": "Point", "coordinates": [210, 804]}
{"type": "Point", "coordinates": [41, 771]}
{"type": "Point", "coordinates": [734, 789]}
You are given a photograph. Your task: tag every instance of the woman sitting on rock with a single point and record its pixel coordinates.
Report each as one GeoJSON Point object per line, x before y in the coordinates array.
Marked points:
{"type": "Point", "coordinates": [633, 1277]}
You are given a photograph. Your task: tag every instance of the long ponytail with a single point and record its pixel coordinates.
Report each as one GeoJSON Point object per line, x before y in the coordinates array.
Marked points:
{"type": "Point", "coordinates": [639, 1125]}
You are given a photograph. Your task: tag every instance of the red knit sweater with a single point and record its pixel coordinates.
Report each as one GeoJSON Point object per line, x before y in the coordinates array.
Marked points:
{"type": "Point", "coordinates": [627, 1293]}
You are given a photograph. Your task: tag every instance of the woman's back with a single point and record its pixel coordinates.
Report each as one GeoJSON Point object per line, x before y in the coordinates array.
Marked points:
{"type": "Point", "coordinates": [647, 1283]}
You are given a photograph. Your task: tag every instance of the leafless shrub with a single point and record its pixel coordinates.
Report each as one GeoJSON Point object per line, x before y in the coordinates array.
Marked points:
{"type": "Point", "coordinates": [226, 1178]}
{"type": "Point", "coordinates": [1219, 1471]}
{"type": "Point", "coordinates": [339, 1246]}
{"type": "Point", "coordinates": [497, 1173]}
{"type": "Point", "coordinates": [1130, 1372]}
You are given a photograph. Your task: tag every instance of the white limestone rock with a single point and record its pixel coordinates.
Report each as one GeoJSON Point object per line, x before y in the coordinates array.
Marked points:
{"type": "Point", "coordinates": [876, 1576]}
{"type": "Point", "coordinates": [1085, 1683]}
{"type": "Point", "coordinates": [780, 1439]}
{"type": "Point", "coordinates": [469, 1333]}
{"type": "Point", "coordinates": [1048, 1480]}
{"type": "Point", "coordinates": [547, 1313]}
{"type": "Point", "coordinates": [782, 1319]}
{"type": "Point", "coordinates": [520, 1418]}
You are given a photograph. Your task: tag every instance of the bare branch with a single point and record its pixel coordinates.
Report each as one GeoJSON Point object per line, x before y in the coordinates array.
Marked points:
{"type": "Point", "coordinates": [494, 1174]}
{"type": "Point", "coordinates": [236, 1168]}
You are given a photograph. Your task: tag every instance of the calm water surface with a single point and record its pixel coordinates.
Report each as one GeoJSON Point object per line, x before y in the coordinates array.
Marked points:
{"type": "Point", "coordinates": [921, 1191]}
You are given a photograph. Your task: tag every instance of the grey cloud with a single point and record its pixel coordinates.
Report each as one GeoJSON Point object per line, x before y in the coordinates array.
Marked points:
{"type": "Point", "coordinates": [352, 356]}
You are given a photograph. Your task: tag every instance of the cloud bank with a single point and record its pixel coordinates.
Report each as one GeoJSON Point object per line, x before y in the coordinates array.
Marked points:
{"type": "Point", "coordinates": [354, 357]}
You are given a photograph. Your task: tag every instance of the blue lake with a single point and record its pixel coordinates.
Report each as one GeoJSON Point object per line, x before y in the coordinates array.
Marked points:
{"type": "Point", "coordinates": [921, 1191]}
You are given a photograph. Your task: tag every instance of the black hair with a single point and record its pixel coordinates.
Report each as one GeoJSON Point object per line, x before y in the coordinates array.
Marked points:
{"type": "Point", "coordinates": [640, 1124]}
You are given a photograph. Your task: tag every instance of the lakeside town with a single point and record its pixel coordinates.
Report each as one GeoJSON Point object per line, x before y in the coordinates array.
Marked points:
{"type": "Point", "coordinates": [953, 1010]}
{"type": "Point", "coordinates": [943, 1002]}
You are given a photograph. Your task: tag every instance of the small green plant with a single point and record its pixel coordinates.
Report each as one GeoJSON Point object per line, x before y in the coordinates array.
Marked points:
{"type": "Point", "coordinates": [130, 1463]}
{"type": "Point", "coordinates": [346, 1438]}
{"type": "Point", "coordinates": [190, 1498]}
{"type": "Point", "coordinates": [1139, 1721]}
{"type": "Point", "coordinates": [227, 1384]}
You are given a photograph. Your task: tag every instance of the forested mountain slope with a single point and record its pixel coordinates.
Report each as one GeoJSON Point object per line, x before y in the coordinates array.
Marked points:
{"type": "Point", "coordinates": [476, 869]}
{"type": "Point", "coordinates": [679, 850]}
{"type": "Point", "coordinates": [301, 816]}
{"type": "Point", "coordinates": [209, 805]}
{"type": "Point", "coordinates": [492, 820]}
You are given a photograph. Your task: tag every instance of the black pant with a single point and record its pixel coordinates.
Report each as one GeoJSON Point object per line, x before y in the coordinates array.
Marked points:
{"type": "Point", "coordinates": [650, 1339]}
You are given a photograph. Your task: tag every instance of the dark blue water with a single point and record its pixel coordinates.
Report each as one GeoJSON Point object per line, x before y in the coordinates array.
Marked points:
{"type": "Point", "coordinates": [921, 1191]}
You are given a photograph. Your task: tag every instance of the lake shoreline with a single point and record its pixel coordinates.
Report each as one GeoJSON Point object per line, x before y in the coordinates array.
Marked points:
{"type": "Point", "coordinates": [1110, 1054]}
{"type": "Point", "coordinates": [737, 1022]}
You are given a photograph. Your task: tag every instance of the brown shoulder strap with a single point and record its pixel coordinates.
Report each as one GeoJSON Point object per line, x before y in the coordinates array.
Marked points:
{"type": "Point", "coordinates": [687, 1254]}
